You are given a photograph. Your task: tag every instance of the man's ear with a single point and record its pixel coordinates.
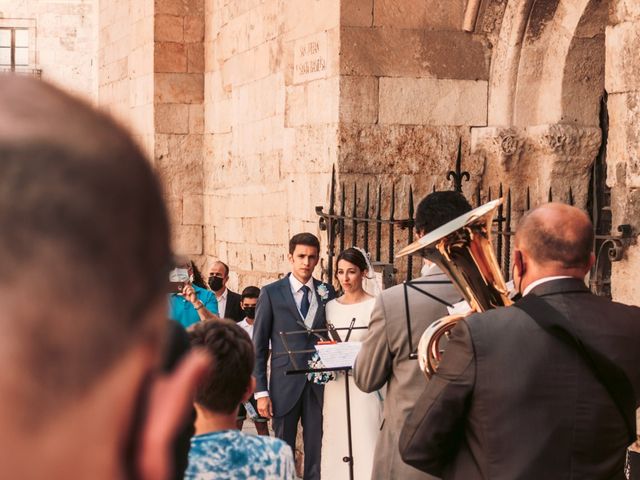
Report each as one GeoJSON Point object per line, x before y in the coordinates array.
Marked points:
{"type": "Point", "coordinates": [417, 235]}
{"type": "Point", "coordinates": [170, 399]}
{"type": "Point", "coordinates": [592, 261]}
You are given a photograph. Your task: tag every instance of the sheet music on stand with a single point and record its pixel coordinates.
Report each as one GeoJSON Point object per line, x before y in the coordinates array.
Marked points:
{"type": "Point", "coordinates": [339, 355]}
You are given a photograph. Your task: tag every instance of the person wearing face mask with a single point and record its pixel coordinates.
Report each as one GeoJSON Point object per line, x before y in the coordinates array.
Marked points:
{"type": "Point", "coordinates": [188, 303]}
{"type": "Point", "coordinates": [248, 302]}
{"type": "Point", "coordinates": [545, 388]}
{"type": "Point", "coordinates": [228, 301]}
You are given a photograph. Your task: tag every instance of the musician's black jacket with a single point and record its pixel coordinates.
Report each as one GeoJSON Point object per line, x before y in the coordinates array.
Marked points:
{"type": "Point", "coordinates": [511, 401]}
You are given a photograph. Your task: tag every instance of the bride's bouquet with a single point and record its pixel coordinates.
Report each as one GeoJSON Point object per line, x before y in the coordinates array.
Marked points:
{"type": "Point", "coordinates": [320, 378]}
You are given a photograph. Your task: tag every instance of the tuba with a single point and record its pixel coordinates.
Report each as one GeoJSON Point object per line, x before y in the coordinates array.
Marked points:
{"type": "Point", "coordinates": [462, 249]}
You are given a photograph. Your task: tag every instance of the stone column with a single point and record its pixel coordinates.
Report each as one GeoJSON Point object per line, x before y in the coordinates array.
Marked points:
{"type": "Point", "coordinates": [541, 157]}
{"type": "Point", "coordinates": [179, 116]}
{"type": "Point", "coordinates": [622, 82]}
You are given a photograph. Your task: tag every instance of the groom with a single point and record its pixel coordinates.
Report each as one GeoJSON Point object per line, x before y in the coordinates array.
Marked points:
{"type": "Point", "coordinates": [294, 303]}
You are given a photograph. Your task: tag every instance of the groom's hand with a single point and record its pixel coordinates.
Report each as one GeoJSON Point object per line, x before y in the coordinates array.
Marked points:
{"type": "Point", "coordinates": [265, 408]}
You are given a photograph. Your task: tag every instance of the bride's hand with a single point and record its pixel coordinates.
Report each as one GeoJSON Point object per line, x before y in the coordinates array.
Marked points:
{"type": "Point", "coordinates": [265, 409]}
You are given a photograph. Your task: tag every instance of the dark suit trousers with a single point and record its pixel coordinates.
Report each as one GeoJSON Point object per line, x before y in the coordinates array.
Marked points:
{"type": "Point", "coordinates": [309, 409]}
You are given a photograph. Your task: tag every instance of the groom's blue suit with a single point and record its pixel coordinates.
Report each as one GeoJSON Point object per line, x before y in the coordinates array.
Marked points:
{"type": "Point", "coordinates": [292, 396]}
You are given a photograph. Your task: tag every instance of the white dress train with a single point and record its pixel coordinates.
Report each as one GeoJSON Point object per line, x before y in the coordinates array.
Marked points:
{"type": "Point", "coordinates": [366, 408]}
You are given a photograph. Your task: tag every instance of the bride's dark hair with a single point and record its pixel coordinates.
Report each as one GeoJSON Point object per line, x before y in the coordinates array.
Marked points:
{"type": "Point", "coordinates": [355, 256]}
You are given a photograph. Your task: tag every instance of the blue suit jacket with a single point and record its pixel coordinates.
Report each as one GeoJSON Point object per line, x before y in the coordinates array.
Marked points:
{"type": "Point", "coordinates": [277, 312]}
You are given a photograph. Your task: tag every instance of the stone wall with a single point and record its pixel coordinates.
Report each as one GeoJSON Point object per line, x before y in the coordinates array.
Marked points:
{"type": "Point", "coordinates": [412, 85]}
{"type": "Point", "coordinates": [271, 122]}
{"type": "Point", "coordinates": [63, 39]}
{"type": "Point", "coordinates": [623, 148]}
{"type": "Point", "coordinates": [125, 65]}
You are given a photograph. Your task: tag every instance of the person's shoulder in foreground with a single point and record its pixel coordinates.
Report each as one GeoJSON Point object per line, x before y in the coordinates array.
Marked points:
{"type": "Point", "coordinates": [231, 454]}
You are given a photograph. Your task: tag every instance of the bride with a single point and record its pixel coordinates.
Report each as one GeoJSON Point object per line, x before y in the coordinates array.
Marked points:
{"type": "Point", "coordinates": [352, 271]}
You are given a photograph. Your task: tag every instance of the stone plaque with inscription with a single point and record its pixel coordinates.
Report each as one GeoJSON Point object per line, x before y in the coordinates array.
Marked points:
{"type": "Point", "coordinates": [310, 60]}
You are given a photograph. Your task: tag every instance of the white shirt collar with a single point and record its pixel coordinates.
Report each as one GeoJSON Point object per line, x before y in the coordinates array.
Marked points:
{"type": "Point", "coordinates": [297, 284]}
{"type": "Point", "coordinates": [542, 280]}
{"type": "Point", "coordinates": [224, 295]}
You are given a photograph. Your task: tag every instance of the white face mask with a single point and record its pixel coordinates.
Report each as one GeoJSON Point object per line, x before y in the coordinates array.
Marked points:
{"type": "Point", "coordinates": [179, 275]}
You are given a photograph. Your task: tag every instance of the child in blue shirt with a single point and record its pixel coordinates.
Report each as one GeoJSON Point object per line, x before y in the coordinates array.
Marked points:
{"type": "Point", "coordinates": [219, 450]}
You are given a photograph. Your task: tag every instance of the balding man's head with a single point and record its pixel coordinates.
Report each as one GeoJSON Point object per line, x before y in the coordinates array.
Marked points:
{"type": "Point", "coordinates": [556, 235]}
{"type": "Point", "coordinates": [84, 248]}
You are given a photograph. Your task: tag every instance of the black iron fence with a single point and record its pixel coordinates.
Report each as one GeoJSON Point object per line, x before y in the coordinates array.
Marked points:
{"type": "Point", "coordinates": [357, 216]}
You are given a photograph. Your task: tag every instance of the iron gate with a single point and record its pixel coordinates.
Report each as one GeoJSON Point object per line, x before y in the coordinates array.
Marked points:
{"type": "Point", "coordinates": [358, 219]}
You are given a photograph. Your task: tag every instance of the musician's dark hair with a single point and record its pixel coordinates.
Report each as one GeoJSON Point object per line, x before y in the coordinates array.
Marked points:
{"type": "Point", "coordinates": [352, 255]}
{"type": "Point", "coordinates": [83, 224]}
{"type": "Point", "coordinates": [250, 292]}
{"type": "Point", "coordinates": [439, 208]}
{"type": "Point", "coordinates": [307, 239]}
{"type": "Point", "coordinates": [232, 358]}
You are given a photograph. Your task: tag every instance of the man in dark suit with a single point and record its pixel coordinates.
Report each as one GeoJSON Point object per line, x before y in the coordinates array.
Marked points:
{"type": "Point", "coordinates": [228, 301]}
{"type": "Point", "coordinates": [293, 303]}
{"type": "Point", "coordinates": [541, 389]}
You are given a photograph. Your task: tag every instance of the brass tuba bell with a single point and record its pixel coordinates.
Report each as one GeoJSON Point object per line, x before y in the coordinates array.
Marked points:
{"type": "Point", "coordinates": [462, 249]}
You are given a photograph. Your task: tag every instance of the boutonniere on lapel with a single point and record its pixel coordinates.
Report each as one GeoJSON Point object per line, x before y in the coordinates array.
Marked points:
{"type": "Point", "coordinates": [323, 292]}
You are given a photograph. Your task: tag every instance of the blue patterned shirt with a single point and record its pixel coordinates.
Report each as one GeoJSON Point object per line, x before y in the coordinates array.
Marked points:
{"type": "Point", "coordinates": [233, 455]}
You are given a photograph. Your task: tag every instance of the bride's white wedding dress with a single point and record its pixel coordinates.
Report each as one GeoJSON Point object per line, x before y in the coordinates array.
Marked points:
{"type": "Point", "coordinates": [365, 407]}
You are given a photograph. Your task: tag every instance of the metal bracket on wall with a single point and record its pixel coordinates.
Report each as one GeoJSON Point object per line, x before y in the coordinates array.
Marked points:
{"type": "Point", "coordinates": [611, 250]}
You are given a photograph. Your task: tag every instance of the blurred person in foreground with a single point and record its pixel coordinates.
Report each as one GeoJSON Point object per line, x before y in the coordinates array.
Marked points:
{"type": "Point", "coordinates": [219, 449]}
{"type": "Point", "coordinates": [248, 302]}
{"type": "Point", "coordinates": [546, 388]}
{"type": "Point", "coordinates": [188, 303]}
{"type": "Point", "coordinates": [84, 262]}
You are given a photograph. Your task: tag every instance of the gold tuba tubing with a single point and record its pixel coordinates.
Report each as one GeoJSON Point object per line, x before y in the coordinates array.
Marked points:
{"type": "Point", "coordinates": [462, 249]}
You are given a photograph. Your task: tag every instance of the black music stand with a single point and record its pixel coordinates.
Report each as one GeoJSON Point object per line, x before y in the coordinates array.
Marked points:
{"type": "Point", "coordinates": [413, 353]}
{"type": "Point", "coordinates": [303, 371]}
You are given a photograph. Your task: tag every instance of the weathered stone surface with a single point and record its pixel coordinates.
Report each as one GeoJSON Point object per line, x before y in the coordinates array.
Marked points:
{"type": "Point", "coordinates": [179, 88]}
{"type": "Point", "coordinates": [623, 10]}
{"type": "Point", "coordinates": [172, 118]}
{"type": "Point", "coordinates": [187, 239]}
{"type": "Point", "coordinates": [428, 101]}
{"type": "Point", "coordinates": [623, 288]}
{"type": "Point", "coordinates": [623, 145]}
{"type": "Point", "coordinates": [428, 14]}
{"type": "Point", "coordinates": [196, 119]}
{"type": "Point", "coordinates": [169, 28]}
{"type": "Point", "coordinates": [195, 58]}
{"type": "Point", "coordinates": [305, 17]}
{"type": "Point", "coordinates": [356, 13]}
{"type": "Point", "coordinates": [192, 210]}
{"type": "Point", "coordinates": [170, 57]}
{"type": "Point", "coordinates": [193, 29]}
{"type": "Point", "coordinates": [412, 53]}
{"type": "Point", "coordinates": [622, 43]}
{"type": "Point", "coordinates": [312, 103]}
{"type": "Point", "coordinates": [398, 149]}
{"type": "Point", "coordinates": [358, 99]}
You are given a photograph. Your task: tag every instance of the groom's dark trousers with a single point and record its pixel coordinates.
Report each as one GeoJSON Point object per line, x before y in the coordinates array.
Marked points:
{"type": "Point", "coordinates": [308, 408]}
{"type": "Point", "coordinates": [292, 396]}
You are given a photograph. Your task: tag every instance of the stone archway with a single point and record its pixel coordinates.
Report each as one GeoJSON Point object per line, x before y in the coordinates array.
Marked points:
{"type": "Point", "coordinates": [547, 78]}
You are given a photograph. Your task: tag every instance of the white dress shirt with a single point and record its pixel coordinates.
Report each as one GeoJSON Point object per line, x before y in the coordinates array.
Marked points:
{"type": "Point", "coordinates": [222, 304]}
{"type": "Point", "coordinates": [246, 326]}
{"type": "Point", "coordinates": [296, 290]}
{"type": "Point", "coordinates": [542, 280]}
